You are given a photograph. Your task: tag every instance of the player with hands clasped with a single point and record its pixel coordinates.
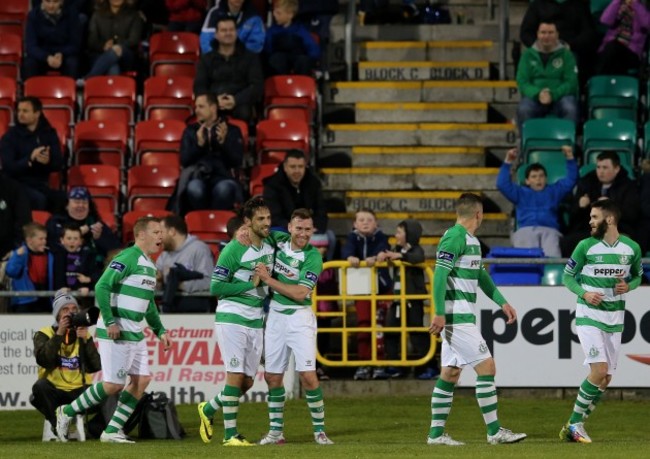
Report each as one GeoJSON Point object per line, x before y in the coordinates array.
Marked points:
{"type": "Point", "coordinates": [608, 265]}
{"type": "Point", "coordinates": [459, 272]}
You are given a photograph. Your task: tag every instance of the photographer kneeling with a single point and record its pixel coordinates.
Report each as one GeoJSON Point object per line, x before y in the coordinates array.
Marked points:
{"type": "Point", "coordinates": [66, 356]}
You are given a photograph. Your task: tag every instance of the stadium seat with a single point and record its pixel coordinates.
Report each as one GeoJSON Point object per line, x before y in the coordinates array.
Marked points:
{"type": "Point", "coordinates": [613, 97]}
{"type": "Point", "coordinates": [546, 134]}
{"type": "Point", "coordinates": [258, 174]}
{"type": "Point", "coordinates": [11, 55]}
{"type": "Point", "coordinates": [157, 142]}
{"type": "Point", "coordinates": [552, 275]}
{"type": "Point", "coordinates": [243, 128]}
{"type": "Point", "coordinates": [13, 16]}
{"type": "Point", "coordinates": [168, 97]}
{"type": "Point", "coordinates": [41, 216]}
{"type": "Point", "coordinates": [100, 142]}
{"type": "Point", "coordinates": [610, 135]}
{"type": "Point", "coordinates": [149, 187]}
{"type": "Point", "coordinates": [281, 135]}
{"type": "Point", "coordinates": [290, 97]}
{"type": "Point", "coordinates": [174, 53]}
{"type": "Point", "coordinates": [58, 94]}
{"type": "Point", "coordinates": [516, 274]}
{"type": "Point", "coordinates": [110, 98]}
{"type": "Point", "coordinates": [7, 102]}
{"type": "Point", "coordinates": [129, 219]}
{"type": "Point", "coordinates": [209, 225]}
{"type": "Point", "coordinates": [102, 181]}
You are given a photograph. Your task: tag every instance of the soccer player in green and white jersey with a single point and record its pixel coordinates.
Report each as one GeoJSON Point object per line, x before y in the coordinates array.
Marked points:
{"type": "Point", "coordinates": [608, 265]}
{"type": "Point", "coordinates": [291, 325]}
{"type": "Point", "coordinates": [125, 296]}
{"type": "Point", "coordinates": [239, 319]}
{"type": "Point", "coordinates": [459, 273]}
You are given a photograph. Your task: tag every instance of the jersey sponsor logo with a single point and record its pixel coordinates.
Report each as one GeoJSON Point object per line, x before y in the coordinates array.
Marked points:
{"type": "Point", "coordinates": [609, 271]}
{"type": "Point", "coordinates": [117, 266]}
{"type": "Point", "coordinates": [475, 263]}
{"type": "Point", "coordinates": [220, 271]}
{"type": "Point", "coordinates": [310, 276]}
{"type": "Point", "coordinates": [282, 269]}
{"type": "Point", "coordinates": [571, 264]}
{"type": "Point", "coordinates": [148, 282]}
{"type": "Point", "coordinates": [445, 256]}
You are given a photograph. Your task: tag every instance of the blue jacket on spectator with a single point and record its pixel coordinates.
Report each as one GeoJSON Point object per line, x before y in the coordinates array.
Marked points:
{"type": "Point", "coordinates": [362, 247]}
{"type": "Point", "coordinates": [537, 208]}
{"type": "Point", "coordinates": [294, 39]}
{"type": "Point", "coordinates": [250, 27]}
{"type": "Point", "coordinates": [17, 270]}
{"type": "Point", "coordinates": [44, 38]}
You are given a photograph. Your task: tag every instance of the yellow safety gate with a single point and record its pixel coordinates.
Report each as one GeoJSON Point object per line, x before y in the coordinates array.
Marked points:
{"type": "Point", "coordinates": [346, 301]}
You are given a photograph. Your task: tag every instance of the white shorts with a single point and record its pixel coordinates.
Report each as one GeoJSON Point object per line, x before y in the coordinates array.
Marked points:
{"type": "Point", "coordinates": [285, 333]}
{"type": "Point", "coordinates": [122, 358]}
{"type": "Point", "coordinates": [463, 345]}
{"type": "Point", "coordinates": [600, 346]}
{"type": "Point", "coordinates": [241, 348]}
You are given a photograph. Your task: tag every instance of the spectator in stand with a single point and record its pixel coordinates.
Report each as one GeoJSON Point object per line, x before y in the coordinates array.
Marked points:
{"type": "Point", "coordinates": [81, 212]}
{"type": "Point", "coordinates": [608, 181]}
{"type": "Point", "coordinates": [52, 40]}
{"type": "Point", "coordinates": [628, 22]}
{"type": "Point", "coordinates": [250, 26]}
{"type": "Point", "coordinates": [186, 15]}
{"type": "Point", "coordinates": [15, 213]}
{"type": "Point", "coordinates": [74, 267]}
{"type": "Point", "coordinates": [295, 186]}
{"type": "Point", "coordinates": [317, 16]}
{"type": "Point", "coordinates": [185, 265]}
{"type": "Point", "coordinates": [28, 268]}
{"type": "Point", "coordinates": [547, 79]}
{"type": "Point", "coordinates": [114, 35]}
{"type": "Point", "coordinates": [230, 72]}
{"type": "Point", "coordinates": [574, 24]}
{"type": "Point", "coordinates": [30, 151]}
{"type": "Point", "coordinates": [536, 204]}
{"type": "Point", "coordinates": [289, 47]}
{"type": "Point", "coordinates": [212, 152]}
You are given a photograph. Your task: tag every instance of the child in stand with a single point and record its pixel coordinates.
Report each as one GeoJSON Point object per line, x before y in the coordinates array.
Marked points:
{"type": "Point", "coordinates": [28, 269]}
{"type": "Point", "coordinates": [364, 243]}
{"type": "Point", "coordinates": [407, 249]}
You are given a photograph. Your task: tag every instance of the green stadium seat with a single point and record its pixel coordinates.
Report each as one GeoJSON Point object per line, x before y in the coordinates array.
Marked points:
{"type": "Point", "coordinates": [610, 135]}
{"type": "Point", "coordinates": [552, 275]}
{"type": "Point", "coordinates": [613, 97]}
{"type": "Point", "coordinates": [546, 134]}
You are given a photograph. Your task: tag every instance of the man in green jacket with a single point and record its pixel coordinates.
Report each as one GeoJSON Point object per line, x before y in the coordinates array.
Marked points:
{"type": "Point", "coordinates": [547, 77]}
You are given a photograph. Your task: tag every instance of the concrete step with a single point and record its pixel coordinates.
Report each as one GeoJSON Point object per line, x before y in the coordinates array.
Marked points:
{"type": "Point", "coordinates": [427, 91]}
{"type": "Point", "coordinates": [424, 70]}
{"type": "Point", "coordinates": [442, 50]}
{"type": "Point", "coordinates": [410, 178]}
{"type": "Point", "coordinates": [410, 201]}
{"type": "Point", "coordinates": [415, 156]}
{"type": "Point", "coordinates": [433, 223]}
{"type": "Point", "coordinates": [432, 134]}
{"type": "Point", "coordinates": [421, 112]}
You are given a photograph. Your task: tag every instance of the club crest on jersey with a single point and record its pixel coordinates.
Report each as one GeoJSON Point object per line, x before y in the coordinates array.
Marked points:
{"type": "Point", "coordinates": [117, 266]}
{"type": "Point", "coordinates": [294, 263]}
{"type": "Point", "coordinates": [310, 276]}
{"type": "Point", "coordinates": [623, 259]}
{"type": "Point", "coordinates": [445, 256]}
{"type": "Point", "coordinates": [220, 271]}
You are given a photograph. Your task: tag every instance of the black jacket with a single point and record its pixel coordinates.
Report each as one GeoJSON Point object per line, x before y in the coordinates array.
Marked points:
{"type": "Point", "coordinates": [14, 213]}
{"type": "Point", "coordinates": [239, 75]}
{"type": "Point", "coordinates": [414, 254]}
{"type": "Point", "coordinates": [46, 351]}
{"type": "Point", "coordinates": [283, 198]}
{"type": "Point", "coordinates": [216, 158]}
{"type": "Point", "coordinates": [87, 266]}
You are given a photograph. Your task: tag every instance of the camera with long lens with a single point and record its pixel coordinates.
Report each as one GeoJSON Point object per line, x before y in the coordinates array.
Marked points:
{"type": "Point", "coordinates": [85, 318]}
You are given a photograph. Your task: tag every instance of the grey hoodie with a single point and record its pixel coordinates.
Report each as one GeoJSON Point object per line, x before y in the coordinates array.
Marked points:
{"type": "Point", "coordinates": [194, 255]}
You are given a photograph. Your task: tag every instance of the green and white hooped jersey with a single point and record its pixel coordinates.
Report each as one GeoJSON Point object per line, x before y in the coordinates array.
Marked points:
{"type": "Point", "coordinates": [460, 253]}
{"type": "Point", "coordinates": [598, 266]}
{"type": "Point", "coordinates": [295, 267]}
{"type": "Point", "coordinates": [236, 265]}
{"type": "Point", "coordinates": [131, 280]}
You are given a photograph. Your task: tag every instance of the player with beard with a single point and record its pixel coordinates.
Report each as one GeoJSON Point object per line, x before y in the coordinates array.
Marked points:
{"type": "Point", "coordinates": [239, 319]}
{"type": "Point", "coordinates": [609, 265]}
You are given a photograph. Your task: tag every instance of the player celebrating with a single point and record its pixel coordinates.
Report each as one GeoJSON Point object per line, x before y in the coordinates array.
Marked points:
{"type": "Point", "coordinates": [124, 294]}
{"type": "Point", "coordinates": [459, 271]}
{"type": "Point", "coordinates": [238, 320]}
{"type": "Point", "coordinates": [291, 325]}
{"type": "Point", "coordinates": [609, 266]}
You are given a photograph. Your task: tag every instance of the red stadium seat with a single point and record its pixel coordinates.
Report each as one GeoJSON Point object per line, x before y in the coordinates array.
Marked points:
{"type": "Point", "coordinates": [149, 187]}
{"type": "Point", "coordinates": [110, 98]}
{"type": "Point", "coordinates": [129, 219]}
{"type": "Point", "coordinates": [168, 97]}
{"type": "Point", "coordinates": [40, 216]}
{"type": "Point", "coordinates": [209, 225]}
{"type": "Point", "coordinates": [100, 142]}
{"type": "Point", "coordinates": [258, 174]}
{"type": "Point", "coordinates": [58, 94]}
{"type": "Point", "coordinates": [13, 15]}
{"type": "Point", "coordinates": [102, 181]}
{"type": "Point", "coordinates": [11, 55]}
{"type": "Point", "coordinates": [243, 128]}
{"type": "Point", "coordinates": [174, 53]}
{"type": "Point", "coordinates": [281, 135]}
{"type": "Point", "coordinates": [158, 142]}
{"type": "Point", "coordinates": [294, 96]}
{"type": "Point", "coordinates": [7, 100]}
